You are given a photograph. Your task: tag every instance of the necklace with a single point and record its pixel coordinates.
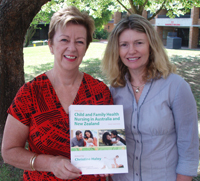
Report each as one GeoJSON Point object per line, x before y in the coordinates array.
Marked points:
{"type": "Point", "coordinates": [137, 88]}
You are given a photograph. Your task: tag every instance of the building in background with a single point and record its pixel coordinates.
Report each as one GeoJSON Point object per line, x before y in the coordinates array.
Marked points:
{"type": "Point", "coordinates": [187, 27]}
{"type": "Point", "coordinates": [41, 33]}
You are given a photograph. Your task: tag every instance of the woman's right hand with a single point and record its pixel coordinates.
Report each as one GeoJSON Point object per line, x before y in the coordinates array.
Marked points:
{"type": "Point", "coordinates": [63, 169]}
{"type": "Point", "coordinates": [14, 153]}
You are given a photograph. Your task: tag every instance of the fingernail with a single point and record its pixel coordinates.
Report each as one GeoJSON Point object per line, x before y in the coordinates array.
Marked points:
{"type": "Point", "coordinates": [81, 173]}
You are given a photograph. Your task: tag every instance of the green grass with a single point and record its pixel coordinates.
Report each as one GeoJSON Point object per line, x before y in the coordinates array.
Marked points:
{"type": "Point", "coordinates": [183, 52]}
{"type": "Point", "coordinates": [39, 59]}
{"type": "Point", "coordinates": [8, 173]}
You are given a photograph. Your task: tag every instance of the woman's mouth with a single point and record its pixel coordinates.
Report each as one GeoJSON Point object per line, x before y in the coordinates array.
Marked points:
{"type": "Point", "coordinates": [70, 58]}
{"type": "Point", "coordinates": [133, 59]}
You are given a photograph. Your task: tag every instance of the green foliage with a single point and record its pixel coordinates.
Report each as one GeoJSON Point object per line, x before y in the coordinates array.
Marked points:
{"type": "Point", "coordinates": [101, 34]}
{"type": "Point", "coordinates": [174, 7]}
{"type": "Point", "coordinates": [95, 40]}
{"type": "Point", "coordinates": [100, 13]}
{"type": "Point", "coordinates": [43, 16]}
{"type": "Point", "coordinates": [106, 16]}
{"type": "Point", "coordinates": [102, 10]}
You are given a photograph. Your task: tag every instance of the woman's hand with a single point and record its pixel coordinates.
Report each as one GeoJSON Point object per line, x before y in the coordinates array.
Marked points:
{"type": "Point", "coordinates": [183, 178]}
{"type": "Point", "coordinates": [63, 169]}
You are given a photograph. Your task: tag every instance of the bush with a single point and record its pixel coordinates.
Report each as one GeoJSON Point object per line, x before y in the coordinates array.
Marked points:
{"type": "Point", "coordinates": [95, 40]}
{"type": "Point", "coordinates": [100, 34]}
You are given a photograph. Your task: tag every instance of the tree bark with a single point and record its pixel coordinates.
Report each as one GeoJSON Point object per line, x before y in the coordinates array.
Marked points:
{"type": "Point", "coordinates": [15, 18]}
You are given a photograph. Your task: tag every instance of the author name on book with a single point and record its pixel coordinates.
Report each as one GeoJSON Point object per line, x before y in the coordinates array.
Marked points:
{"type": "Point", "coordinates": [84, 159]}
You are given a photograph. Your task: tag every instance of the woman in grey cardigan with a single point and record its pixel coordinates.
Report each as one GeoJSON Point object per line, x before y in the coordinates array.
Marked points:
{"type": "Point", "coordinates": [160, 111]}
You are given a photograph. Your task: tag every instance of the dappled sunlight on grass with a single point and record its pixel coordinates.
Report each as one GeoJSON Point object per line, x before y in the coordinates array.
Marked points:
{"type": "Point", "coordinates": [93, 67]}
{"type": "Point", "coordinates": [34, 70]}
{"type": "Point", "coordinates": [189, 68]}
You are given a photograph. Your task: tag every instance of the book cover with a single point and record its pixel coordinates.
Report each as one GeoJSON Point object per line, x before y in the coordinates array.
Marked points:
{"type": "Point", "coordinates": [97, 136]}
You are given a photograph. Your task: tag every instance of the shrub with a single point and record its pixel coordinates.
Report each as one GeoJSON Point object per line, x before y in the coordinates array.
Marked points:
{"type": "Point", "coordinates": [101, 34]}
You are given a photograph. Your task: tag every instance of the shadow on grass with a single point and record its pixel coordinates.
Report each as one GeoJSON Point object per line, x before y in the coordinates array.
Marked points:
{"type": "Point", "coordinates": [9, 173]}
{"type": "Point", "coordinates": [189, 68]}
{"type": "Point", "coordinates": [93, 67]}
{"type": "Point", "coordinates": [183, 49]}
{"type": "Point", "coordinates": [90, 66]}
{"type": "Point", "coordinates": [36, 70]}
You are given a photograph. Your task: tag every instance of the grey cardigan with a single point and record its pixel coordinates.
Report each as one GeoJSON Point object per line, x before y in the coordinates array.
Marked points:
{"type": "Point", "coordinates": [161, 130]}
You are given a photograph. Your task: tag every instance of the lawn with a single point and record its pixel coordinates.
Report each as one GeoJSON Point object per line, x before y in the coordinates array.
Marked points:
{"type": "Point", "coordinates": [39, 59]}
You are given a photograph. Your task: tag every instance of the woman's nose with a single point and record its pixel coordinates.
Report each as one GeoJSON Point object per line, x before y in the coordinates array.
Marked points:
{"type": "Point", "coordinates": [132, 49]}
{"type": "Point", "coordinates": [72, 46]}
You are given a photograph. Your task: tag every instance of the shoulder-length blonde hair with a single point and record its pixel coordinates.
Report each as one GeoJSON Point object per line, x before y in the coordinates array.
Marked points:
{"type": "Point", "coordinates": [73, 15]}
{"type": "Point", "coordinates": [158, 65]}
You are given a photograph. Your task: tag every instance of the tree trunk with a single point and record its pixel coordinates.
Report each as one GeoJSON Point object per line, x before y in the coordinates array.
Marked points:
{"type": "Point", "coordinates": [15, 18]}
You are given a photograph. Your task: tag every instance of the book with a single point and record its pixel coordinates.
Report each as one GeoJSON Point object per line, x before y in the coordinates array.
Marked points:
{"type": "Point", "coordinates": [97, 139]}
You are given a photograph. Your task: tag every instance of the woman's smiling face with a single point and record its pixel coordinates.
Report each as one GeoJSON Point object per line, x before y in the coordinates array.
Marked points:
{"type": "Point", "coordinates": [108, 137]}
{"type": "Point", "coordinates": [134, 49]}
{"type": "Point", "coordinates": [69, 46]}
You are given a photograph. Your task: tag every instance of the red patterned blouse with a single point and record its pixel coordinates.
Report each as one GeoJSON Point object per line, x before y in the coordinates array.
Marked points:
{"type": "Point", "coordinates": [37, 106]}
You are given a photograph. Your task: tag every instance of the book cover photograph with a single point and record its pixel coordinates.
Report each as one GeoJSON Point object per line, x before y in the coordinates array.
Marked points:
{"type": "Point", "coordinates": [97, 139]}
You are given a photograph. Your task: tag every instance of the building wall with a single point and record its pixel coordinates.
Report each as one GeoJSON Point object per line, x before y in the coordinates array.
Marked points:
{"type": "Point", "coordinates": [41, 33]}
{"type": "Point", "coordinates": [110, 26]}
{"type": "Point", "coordinates": [117, 17]}
{"type": "Point", "coordinates": [194, 31]}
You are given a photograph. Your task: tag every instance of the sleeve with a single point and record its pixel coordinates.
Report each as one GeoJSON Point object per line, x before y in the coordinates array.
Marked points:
{"type": "Point", "coordinates": [21, 105]}
{"type": "Point", "coordinates": [72, 142]}
{"type": "Point", "coordinates": [186, 122]}
{"type": "Point", "coordinates": [108, 100]}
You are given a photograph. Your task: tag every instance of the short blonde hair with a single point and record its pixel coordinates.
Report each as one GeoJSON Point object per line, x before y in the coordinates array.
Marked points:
{"type": "Point", "coordinates": [73, 15]}
{"type": "Point", "coordinates": [112, 65]}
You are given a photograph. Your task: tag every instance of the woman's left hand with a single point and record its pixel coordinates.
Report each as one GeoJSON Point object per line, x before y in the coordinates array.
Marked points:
{"type": "Point", "coordinates": [183, 178]}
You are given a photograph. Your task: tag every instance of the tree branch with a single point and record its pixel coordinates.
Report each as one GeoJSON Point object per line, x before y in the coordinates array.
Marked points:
{"type": "Point", "coordinates": [157, 11]}
{"type": "Point", "coordinates": [134, 9]}
{"type": "Point", "coordinates": [141, 8]}
{"type": "Point", "coordinates": [124, 6]}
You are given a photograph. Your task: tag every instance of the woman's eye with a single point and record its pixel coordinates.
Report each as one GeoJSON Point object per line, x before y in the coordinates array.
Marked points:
{"type": "Point", "coordinates": [80, 42]}
{"type": "Point", "coordinates": [138, 43]}
{"type": "Point", "coordinates": [123, 44]}
{"type": "Point", "coordinates": [64, 40]}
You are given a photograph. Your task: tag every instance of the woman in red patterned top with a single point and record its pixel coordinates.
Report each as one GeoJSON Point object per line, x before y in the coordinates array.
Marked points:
{"type": "Point", "coordinates": [39, 112]}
